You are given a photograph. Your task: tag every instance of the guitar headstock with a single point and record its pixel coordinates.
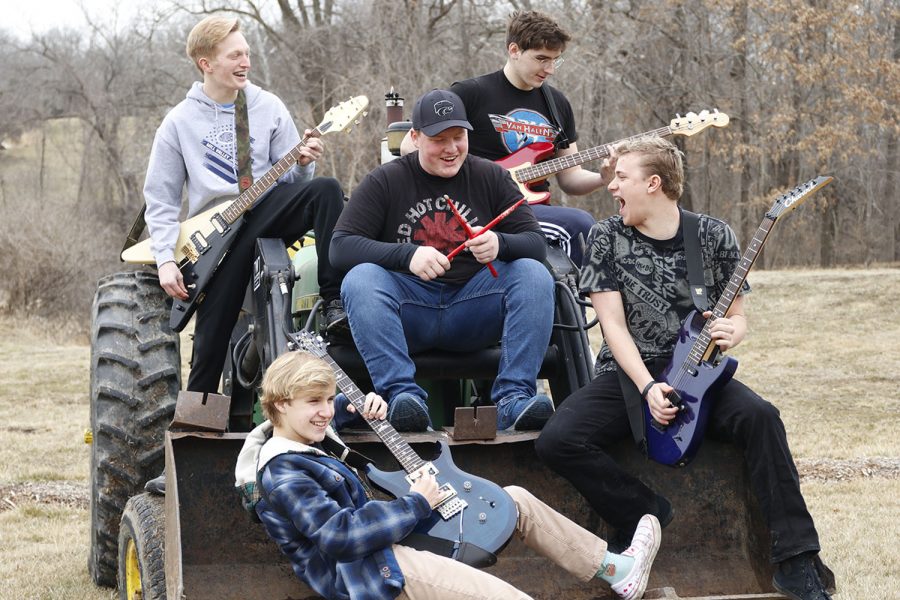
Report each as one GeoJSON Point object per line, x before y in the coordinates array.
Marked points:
{"type": "Point", "coordinates": [311, 343]}
{"type": "Point", "coordinates": [344, 115]}
{"type": "Point", "coordinates": [788, 201]}
{"type": "Point", "coordinates": [692, 123]}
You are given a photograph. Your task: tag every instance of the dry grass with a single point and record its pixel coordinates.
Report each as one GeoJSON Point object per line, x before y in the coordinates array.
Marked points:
{"type": "Point", "coordinates": [823, 347]}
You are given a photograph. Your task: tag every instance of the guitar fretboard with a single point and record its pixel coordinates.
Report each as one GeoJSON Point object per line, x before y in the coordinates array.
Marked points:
{"type": "Point", "coordinates": [402, 451]}
{"type": "Point", "coordinates": [264, 183]}
{"type": "Point", "coordinates": [702, 344]}
{"type": "Point", "coordinates": [702, 348]}
{"type": "Point", "coordinates": [546, 168]}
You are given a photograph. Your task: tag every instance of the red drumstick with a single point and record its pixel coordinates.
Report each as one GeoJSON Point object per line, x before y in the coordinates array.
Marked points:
{"type": "Point", "coordinates": [471, 234]}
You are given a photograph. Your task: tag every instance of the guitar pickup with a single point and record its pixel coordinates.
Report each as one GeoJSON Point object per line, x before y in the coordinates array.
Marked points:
{"type": "Point", "coordinates": [426, 468]}
{"type": "Point", "coordinates": [201, 244]}
{"type": "Point", "coordinates": [219, 223]}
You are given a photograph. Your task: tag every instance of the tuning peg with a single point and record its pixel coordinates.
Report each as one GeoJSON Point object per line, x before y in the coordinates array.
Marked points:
{"type": "Point", "coordinates": [365, 113]}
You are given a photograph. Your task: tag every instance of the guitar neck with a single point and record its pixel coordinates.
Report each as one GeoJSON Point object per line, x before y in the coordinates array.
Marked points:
{"type": "Point", "coordinates": [703, 346]}
{"type": "Point", "coordinates": [402, 451]}
{"type": "Point", "coordinates": [246, 200]}
{"type": "Point", "coordinates": [547, 168]}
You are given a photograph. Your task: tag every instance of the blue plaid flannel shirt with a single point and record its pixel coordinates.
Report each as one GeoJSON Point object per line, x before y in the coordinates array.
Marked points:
{"type": "Point", "coordinates": [338, 541]}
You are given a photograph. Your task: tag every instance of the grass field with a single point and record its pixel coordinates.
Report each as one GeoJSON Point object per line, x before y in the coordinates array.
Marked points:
{"type": "Point", "coordinates": [823, 346]}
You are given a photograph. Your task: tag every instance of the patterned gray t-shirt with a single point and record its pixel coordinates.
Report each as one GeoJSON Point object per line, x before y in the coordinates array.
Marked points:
{"type": "Point", "coordinates": [652, 278]}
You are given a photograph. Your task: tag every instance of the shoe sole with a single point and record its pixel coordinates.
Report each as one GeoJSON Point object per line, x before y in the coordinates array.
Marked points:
{"type": "Point", "coordinates": [534, 417]}
{"type": "Point", "coordinates": [408, 418]}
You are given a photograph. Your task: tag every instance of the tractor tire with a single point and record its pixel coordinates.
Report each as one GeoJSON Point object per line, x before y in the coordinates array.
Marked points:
{"type": "Point", "coordinates": [142, 564]}
{"type": "Point", "coordinates": [135, 379]}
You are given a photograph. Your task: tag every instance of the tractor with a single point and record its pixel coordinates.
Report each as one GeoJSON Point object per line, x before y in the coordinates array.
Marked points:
{"type": "Point", "coordinates": [197, 541]}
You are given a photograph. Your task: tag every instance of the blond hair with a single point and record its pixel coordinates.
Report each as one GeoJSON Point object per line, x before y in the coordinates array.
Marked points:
{"type": "Point", "coordinates": [203, 38]}
{"type": "Point", "coordinates": [292, 375]}
{"type": "Point", "coordinates": [658, 157]}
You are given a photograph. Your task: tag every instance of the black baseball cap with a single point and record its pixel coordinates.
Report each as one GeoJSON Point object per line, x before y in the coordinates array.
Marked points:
{"type": "Point", "coordinates": [438, 110]}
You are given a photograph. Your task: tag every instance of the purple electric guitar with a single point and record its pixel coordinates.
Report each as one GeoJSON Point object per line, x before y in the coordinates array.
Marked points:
{"type": "Point", "coordinates": [697, 370]}
{"type": "Point", "coordinates": [476, 518]}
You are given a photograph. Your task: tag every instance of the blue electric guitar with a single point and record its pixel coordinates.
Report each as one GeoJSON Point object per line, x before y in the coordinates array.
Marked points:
{"type": "Point", "coordinates": [697, 369]}
{"type": "Point", "coordinates": [476, 518]}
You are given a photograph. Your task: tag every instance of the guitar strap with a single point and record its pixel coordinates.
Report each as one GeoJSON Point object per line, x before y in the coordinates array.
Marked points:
{"type": "Point", "coordinates": [242, 135]}
{"type": "Point", "coordinates": [562, 140]}
{"type": "Point", "coordinates": [690, 232]}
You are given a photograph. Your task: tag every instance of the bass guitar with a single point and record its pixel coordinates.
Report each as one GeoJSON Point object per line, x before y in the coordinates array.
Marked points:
{"type": "Point", "coordinates": [698, 369]}
{"type": "Point", "coordinates": [475, 519]}
{"type": "Point", "coordinates": [526, 168]}
{"type": "Point", "coordinates": [204, 240]}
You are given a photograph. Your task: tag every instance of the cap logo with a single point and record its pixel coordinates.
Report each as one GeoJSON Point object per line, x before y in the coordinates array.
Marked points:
{"type": "Point", "coordinates": [442, 108]}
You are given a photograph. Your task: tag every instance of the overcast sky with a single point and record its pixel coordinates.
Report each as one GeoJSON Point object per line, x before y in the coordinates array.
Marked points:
{"type": "Point", "coordinates": [24, 16]}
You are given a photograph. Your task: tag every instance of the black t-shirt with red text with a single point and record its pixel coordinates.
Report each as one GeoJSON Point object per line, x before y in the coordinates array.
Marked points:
{"type": "Point", "coordinates": [402, 205]}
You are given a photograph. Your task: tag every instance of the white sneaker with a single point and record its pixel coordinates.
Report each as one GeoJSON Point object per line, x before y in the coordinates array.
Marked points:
{"type": "Point", "coordinates": [643, 549]}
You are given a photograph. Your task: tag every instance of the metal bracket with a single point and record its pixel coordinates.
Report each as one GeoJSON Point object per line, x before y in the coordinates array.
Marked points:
{"type": "Point", "coordinates": [474, 423]}
{"type": "Point", "coordinates": [201, 411]}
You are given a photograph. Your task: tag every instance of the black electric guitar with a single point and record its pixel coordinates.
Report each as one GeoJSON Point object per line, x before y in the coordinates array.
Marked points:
{"type": "Point", "coordinates": [697, 369]}
{"type": "Point", "coordinates": [476, 518]}
{"type": "Point", "coordinates": [527, 166]}
{"type": "Point", "coordinates": [204, 239]}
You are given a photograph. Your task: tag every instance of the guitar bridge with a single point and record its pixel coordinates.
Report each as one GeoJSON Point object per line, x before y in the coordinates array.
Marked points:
{"type": "Point", "coordinates": [452, 503]}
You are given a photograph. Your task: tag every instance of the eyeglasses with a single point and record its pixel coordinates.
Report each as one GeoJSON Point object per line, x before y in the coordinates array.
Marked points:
{"type": "Point", "coordinates": [547, 62]}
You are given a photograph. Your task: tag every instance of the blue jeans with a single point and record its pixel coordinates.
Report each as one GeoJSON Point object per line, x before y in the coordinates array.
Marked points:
{"type": "Point", "coordinates": [393, 315]}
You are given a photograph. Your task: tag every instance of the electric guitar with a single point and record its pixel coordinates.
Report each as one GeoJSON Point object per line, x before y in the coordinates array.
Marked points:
{"type": "Point", "coordinates": [697, 369]}
{"type": "Point", "coordinates": [475, 519]}
{"type": "Point", "coordinates": [525, 167]}
{"type": "Point", "coordinates": [204, 240]}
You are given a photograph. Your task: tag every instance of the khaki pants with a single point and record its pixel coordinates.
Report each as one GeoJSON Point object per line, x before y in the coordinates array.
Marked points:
{"type": "Point", "coordinates": [432, 577]}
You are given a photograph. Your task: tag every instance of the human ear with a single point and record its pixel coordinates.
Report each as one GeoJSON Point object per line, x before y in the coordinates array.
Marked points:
{"type": "Point", "coordinates": [654, 182]}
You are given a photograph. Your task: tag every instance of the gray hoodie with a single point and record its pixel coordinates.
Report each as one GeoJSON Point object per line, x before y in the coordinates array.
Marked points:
{"type": "Point", "coordinates": [195, 148]}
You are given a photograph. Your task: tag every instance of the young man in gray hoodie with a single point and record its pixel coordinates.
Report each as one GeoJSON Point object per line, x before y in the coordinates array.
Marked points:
{"type": "Point", "coordinates": [195, 151]}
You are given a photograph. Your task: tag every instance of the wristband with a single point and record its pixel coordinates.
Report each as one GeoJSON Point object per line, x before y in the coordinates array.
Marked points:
{"type": "Point", "coordinates": [647, 389]}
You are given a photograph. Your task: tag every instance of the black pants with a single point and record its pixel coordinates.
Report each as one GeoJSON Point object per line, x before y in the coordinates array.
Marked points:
{"type": "Point", "coordinates": [288, 212]}
{"type": "Point", "coordinates": [594, 417]}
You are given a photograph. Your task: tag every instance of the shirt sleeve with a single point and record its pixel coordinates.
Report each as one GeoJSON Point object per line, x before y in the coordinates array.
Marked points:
{"type": "Point", "coordinates": [163, 191]}
{"type": "Point", "coordinates": [723, 255]}
{"type": "Point", "coordinates": [345, 533]}
{"type": "Point", "coordinates": [284, 138]}
{"type": "Point", "coordinates": [598, 271]}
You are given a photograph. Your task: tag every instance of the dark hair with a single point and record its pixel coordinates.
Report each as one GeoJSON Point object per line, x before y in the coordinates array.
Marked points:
{"type": "Point", "coordinates": [530, 29]}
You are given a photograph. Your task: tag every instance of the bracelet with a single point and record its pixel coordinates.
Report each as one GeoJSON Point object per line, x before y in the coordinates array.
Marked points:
{"type": "Point", "coordinates": [647, 389]}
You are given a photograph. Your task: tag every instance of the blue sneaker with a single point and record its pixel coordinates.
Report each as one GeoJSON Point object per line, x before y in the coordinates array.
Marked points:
{"type": "Point", "coordinates": [408, 413]}
{"type": "Point", "coordinates": [524, 414]}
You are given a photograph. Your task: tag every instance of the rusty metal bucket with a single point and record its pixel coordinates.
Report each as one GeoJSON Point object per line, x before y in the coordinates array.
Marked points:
{"type": "Point", "coordinates": [717, 547]}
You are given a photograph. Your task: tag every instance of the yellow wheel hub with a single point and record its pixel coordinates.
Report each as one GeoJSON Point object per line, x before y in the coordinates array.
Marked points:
{"type": "Point", "coordinates": [132, 573]}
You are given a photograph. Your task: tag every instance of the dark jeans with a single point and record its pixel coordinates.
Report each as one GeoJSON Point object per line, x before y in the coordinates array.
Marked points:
{"type": "Point", "coordinates": [594, 417]}
{"type": "Point", "coordinates": [288, 212]}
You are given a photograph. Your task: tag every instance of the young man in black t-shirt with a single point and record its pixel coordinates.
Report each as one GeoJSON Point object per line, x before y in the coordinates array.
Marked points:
{"type": "Point", "coordinates": [403, 295]}
{"type": "Point", "coordinates": [508, 112]}
{"type": "Point", "coordinates": [635, 273]}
